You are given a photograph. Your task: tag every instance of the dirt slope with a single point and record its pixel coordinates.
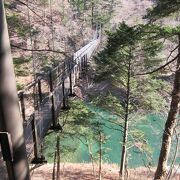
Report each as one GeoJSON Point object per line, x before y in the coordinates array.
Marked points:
{"type": "Point", "coordinates": [84, 172]}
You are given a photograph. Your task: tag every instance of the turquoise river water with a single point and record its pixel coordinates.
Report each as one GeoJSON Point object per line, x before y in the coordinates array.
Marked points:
{"type": "Point", "coordinates": [151, 125]}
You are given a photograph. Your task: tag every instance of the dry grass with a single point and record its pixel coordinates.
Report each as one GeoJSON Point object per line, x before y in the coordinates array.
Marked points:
{"type": "Point", "coordinates": [83, 171]}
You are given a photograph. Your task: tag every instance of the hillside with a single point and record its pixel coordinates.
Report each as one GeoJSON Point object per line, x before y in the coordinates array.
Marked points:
{"type": "Point", "coordinates": [57, 27]}
{"type": "Point", "coordinates": [103, 88]}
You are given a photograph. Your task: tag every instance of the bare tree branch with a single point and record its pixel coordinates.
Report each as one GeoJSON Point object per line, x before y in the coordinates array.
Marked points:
{"type": "Point", "coordinates": [172, 51]}
{"type": "Point", "coordinates": [33, 11]}
{"type": "Point", "coordinates": [38, 50]}
{"type": "Point", "coordinates": [159, 68]}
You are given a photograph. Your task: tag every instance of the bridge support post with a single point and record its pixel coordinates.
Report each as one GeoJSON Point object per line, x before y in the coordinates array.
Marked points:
{"type": "Point", "coordinates": [65, 97]}
{"type": "Point", "coordinates": [38, 158]}
{"type": "Point", "coordinates": [39, 91]}
{"type": "Point", "coordinates": [23, 111]}
{"type": "Point", "coordinates": [71, 67]}
{"type": "Point", "coordinates": [75, 74]}
{"type": "Point", "coordinates": [80, 67]}
{"type": "Point", "coordinates": [86, 62]}
{"type": "Point", "coordinates": [55, 124]}
{"type": "Point", "coordinates": [10, 118]}
{"type": "Point", "coordinates": [83, 65]}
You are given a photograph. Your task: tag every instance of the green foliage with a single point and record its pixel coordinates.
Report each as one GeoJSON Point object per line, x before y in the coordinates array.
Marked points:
{"type": "Point", "coordinates": [103, 18]}
{"type": "Point", "coordinates": [19, 86]}
{"type": "Point", "coordinates": [129, 51]}
{"type": "Point", "coordinates": [163, 8]}
{"type": "Point", "coordinates": [80, 5]}
{"type": "Point", "coordinates": [151, 96]}
{"type": "Point", "coordinates": [138, 141]}
{"type": "Point", "coordinates": [79, 125]}
{"type": "Point", "coordinates": [22, 72]}
{"type": "Point", "coordinates": [139, 44]}
{"type": "Point", "coordinates": [101, 10]}
{"type": "Point", "coordinates": [110, 103]}
{"type": "Point", "coordinates": [20, 69]}
{"type": "Point", "coordinates": [20, 60]}
{"type": "Point", "coordinates": [44, 2]}
{"type": "Point", "coordinates": [66, 149]}
{"type": "Point", "coordinates": [45, 60]}
{"type": "Point", "coordinates": [136, 48]}
{"type": "Point", "coordinates": [17, 25]}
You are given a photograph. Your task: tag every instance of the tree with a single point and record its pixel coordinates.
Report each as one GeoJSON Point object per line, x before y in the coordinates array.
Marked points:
{"type": "Point", "coordinates": [80, 125]}
{"type": "Point", "coordinates": [128, 51]}
{"type": "Point", "coordinates": [11, 124]}
{"type": "Point", "coordinates": [170, 124]}
{"type": "Point", "coordinates": [165, 8]}
{"type": "Point", "coordinates": [99, 11]}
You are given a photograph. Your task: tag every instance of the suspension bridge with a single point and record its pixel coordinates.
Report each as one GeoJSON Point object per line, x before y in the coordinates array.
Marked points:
{"type": "Point", "coordinates": [40, 110]}
{"type": "Point", "coordinates": [40, 103]}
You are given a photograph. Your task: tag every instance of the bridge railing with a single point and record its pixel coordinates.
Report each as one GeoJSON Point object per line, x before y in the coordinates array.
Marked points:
{"type": "Point", "coordinates": [41, 101]}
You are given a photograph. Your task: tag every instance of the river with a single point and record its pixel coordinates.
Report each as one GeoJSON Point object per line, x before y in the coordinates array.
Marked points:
{"type": "Point", "coordinates": [139, 154]}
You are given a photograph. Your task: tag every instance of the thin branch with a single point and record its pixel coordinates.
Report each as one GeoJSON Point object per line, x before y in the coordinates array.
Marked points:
{"type": "Point", "coordinates": [113, 128]}
{"type": "Point", "coordinates": [173, 51]}
{"type": "Point", "coordinates": [38, 50]}
{"type": "Point", "coordinates": [47, 23]}
{"type": "Point", "coordinates": [161, 67]}
{"type": "Point", "coordinates": [109, 120]}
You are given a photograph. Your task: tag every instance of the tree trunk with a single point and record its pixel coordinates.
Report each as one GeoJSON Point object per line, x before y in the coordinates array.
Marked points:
{"type": "Point", "coordinates": [91, 158]}
{"type": "Point", "coordinates": [125, 137]}
{"type": "Point", "coordinates": [58, 157]}
{"type": "Point", "coordinates": [10, 118]}
{"type": "Point", "coordinates": [92, 15]}
{"type": "Point", "coordinates": [170, 124]}
{"type": "Point", "coordinates": [100, 155]}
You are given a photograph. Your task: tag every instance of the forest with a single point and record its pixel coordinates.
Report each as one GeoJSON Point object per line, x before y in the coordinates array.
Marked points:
{"type": "Point", "coordinates": [90, 89]}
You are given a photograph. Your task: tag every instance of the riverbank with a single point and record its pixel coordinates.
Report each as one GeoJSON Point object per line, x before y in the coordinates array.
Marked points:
{"type": "Point", "coordinates": [84, 171]}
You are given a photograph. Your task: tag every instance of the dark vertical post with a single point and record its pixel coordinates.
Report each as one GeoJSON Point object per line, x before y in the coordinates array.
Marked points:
{"type": "Point", "coordinates": [86, 69]}
{"type": "Point", "coordinates": [38, 158]}
{"type": "Point", "coordinates": [58, 157]}
{"type": "Point", "coordinates": [70, 76]}
{"type": "Point", "coordinates": [75, 74]}
{"type": "Point", "coordinates": [59, 73]}
{"type": "Point", "coordinates": [65, 97]}
{"type": "Point", "coordinates": [83, 65]}
{"type": "Point", "coordinates": [84, 57]}
{"type": "Point", "coordinates": [86, 62]}
{"type": "Point", "coordinates": [35, 140]}
{"type": "Point", "coordinates": [63, 88]}
{"type": "Point", "coordinates": [52, 100]}
{"type": "Point", "coordinates": [10, 118]}
{"type": "Point", "coordinates": [23, 111]}
{"type": "Point", "coordinates": [80, 68]}
{"type": "Point", "coordinates": [39, 91]}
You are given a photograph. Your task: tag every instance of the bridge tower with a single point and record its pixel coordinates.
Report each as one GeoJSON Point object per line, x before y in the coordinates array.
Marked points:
{"type": "Point", "coordinates": [11, 123]}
